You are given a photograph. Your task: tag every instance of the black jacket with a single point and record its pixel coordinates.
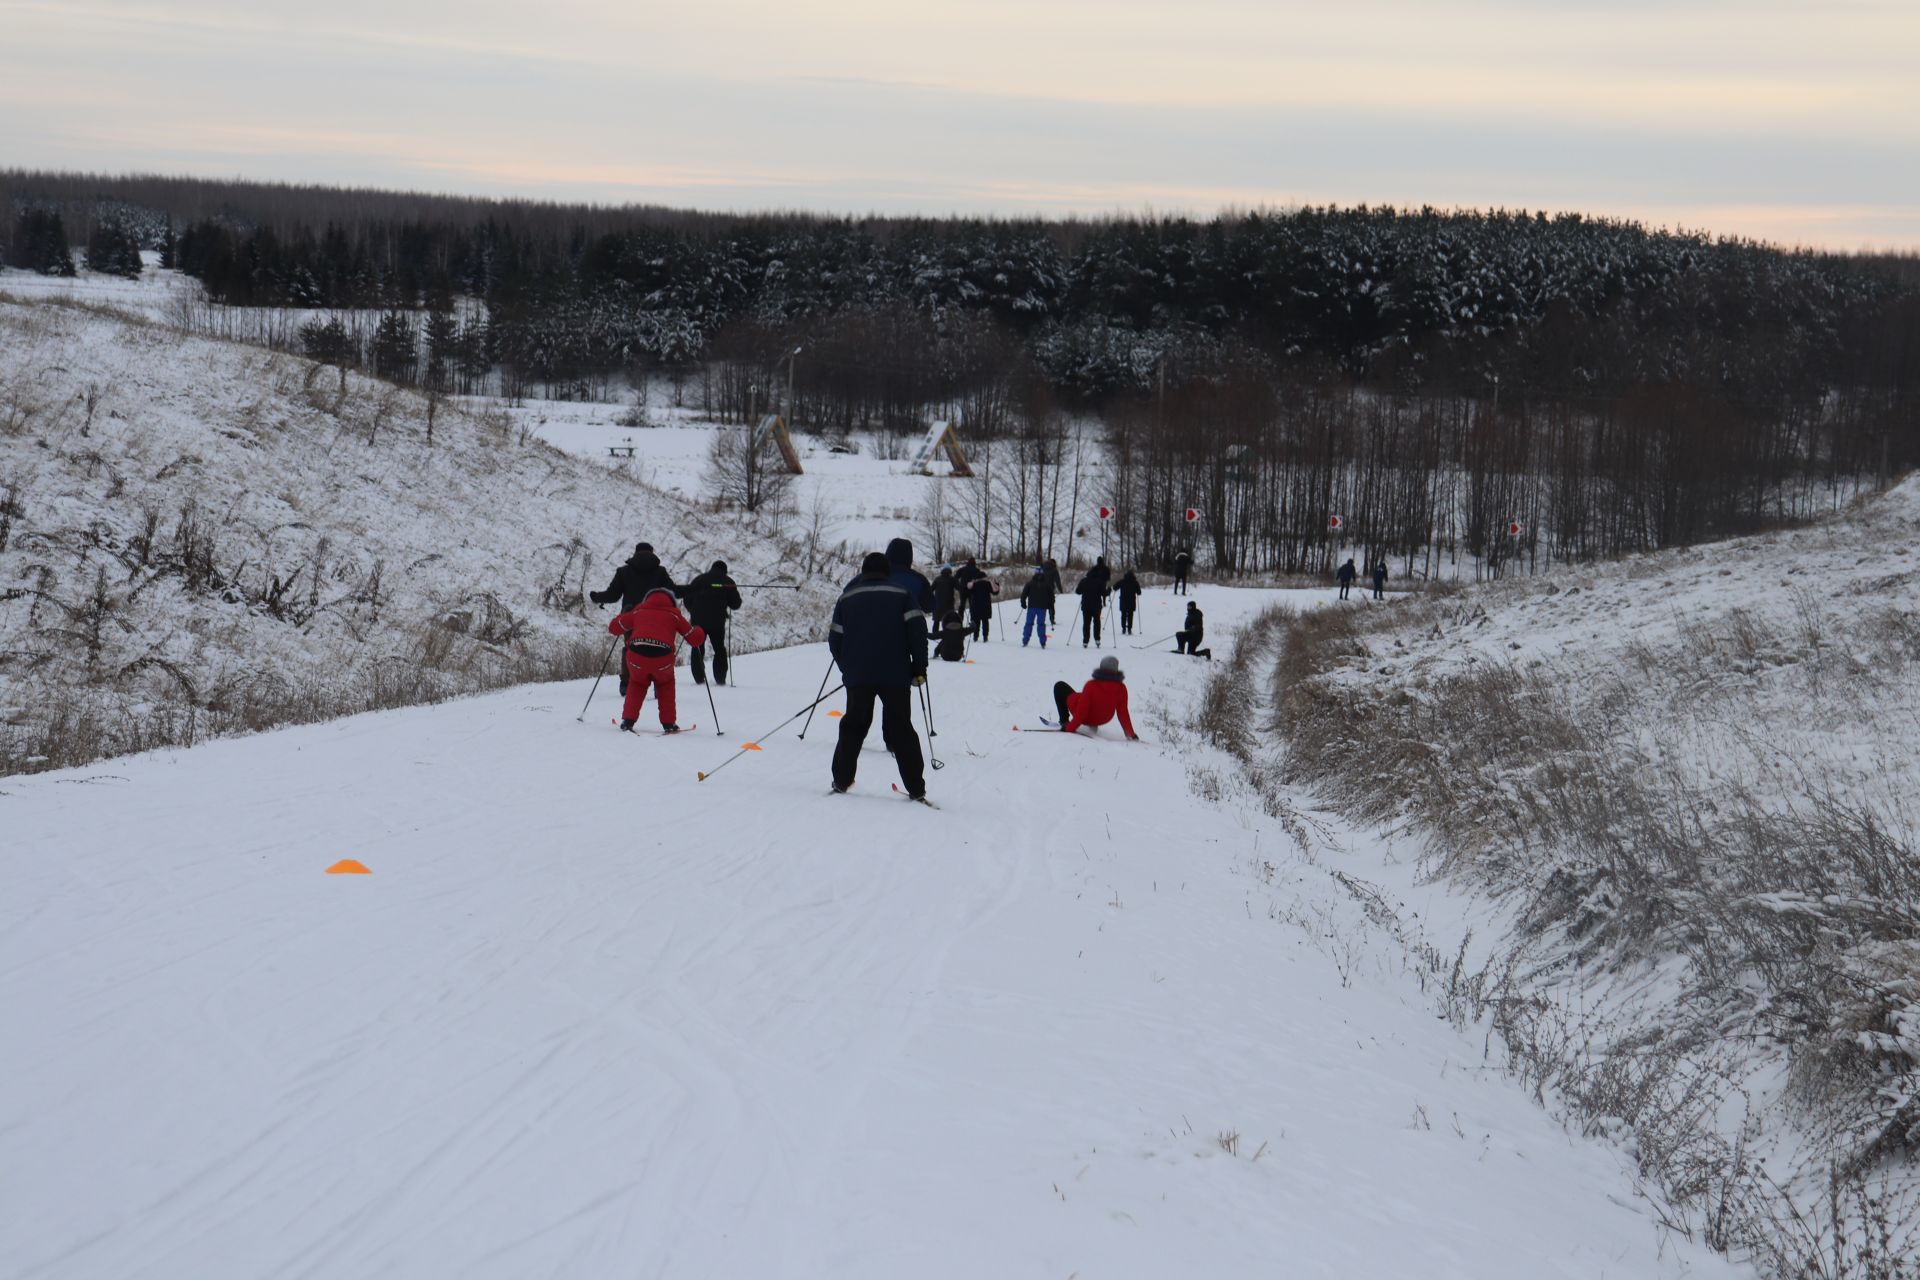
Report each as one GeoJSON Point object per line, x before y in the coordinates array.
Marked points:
{"type": "Point", "coordinates": [1092, 592]}
{"type": "Point", "coordinates": [631, 582]}
{"type": "Point", "coordinates": [1038, 594]}
{"type": "Point", "coordinates": [709, 597]}
{"type": "Point", "coordinates": [953, 638]}
{"type": "Point", "coordinates": [980, 593]}
{"type": "Point", "coordinates": [1380, 573]}
{"type": "Point", "coordinates": [945, 588]}
{"type": "Point", "coordinates": [879, 633]}
{"type": "Point", "coordinates": [1195, 624]}
{"type": "Point", "coordinates": [1347, 572]}
{"type": "Point", "coordinates": [1100, 573]}
{"type": "Point", "coordinates": [1129, 590]}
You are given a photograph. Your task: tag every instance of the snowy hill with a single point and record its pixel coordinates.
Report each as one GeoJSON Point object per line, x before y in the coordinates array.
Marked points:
{"type": "Point", "coordinates": [1681, 790]}
{"type": "Point", "coordinates": [198, 537]}
{"type": "Point", "coordinates": [591, 1016]}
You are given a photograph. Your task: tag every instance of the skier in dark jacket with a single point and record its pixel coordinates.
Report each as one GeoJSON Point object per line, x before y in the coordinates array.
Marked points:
{"type": "Point", "coordinates": [1104, 698]}
{"type": "Point", "coordinates": [980, 593]}
{"type": "Point", "coordinates": [709, 599]}
{"type": "Point", "coordinates": [1188, 640]}
{"type": "Point", "coordinates": [953, 637]}
{"type": "Point", "coordinates": [1129, 592]}
{"type": "Point", "coordinates": [946, 589]}
{"type": "Point", "coordinates": [631, 582]}
{"type": "Point", "coordinates": [1037, 599]}
{"type": "Point", "coordinates": [1092, 590]}
{"type": "Point", "coordinates": [1181, 563]}
{"type": "Point", "coordinates": [1380, 580]}
{"type": "Point", "coordinates": [879, 641]}
{"type": "Point", "coordinates": [967, 574]}
{"type": "Point", "coordinates": [1059, 586]}
{"type": "Point", "coordinates": [1346, 576]}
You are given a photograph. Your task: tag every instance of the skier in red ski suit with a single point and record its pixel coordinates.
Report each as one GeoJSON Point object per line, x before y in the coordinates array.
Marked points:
{"type": "Point", "coordinates": [1103, 698]}
{"type": "Point", "coordinates": [651, 628]}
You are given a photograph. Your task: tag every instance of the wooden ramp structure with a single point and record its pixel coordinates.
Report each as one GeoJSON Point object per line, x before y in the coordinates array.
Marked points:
{"type": "Point", "coordinates": [941, 438]}
{"type": "Point", "coordinates": [774, 427]}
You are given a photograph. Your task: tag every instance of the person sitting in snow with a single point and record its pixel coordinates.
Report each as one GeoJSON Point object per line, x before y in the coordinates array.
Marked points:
{"type": "Point", "coordinates": [651, 628]}
{"type": "Point", "coordinates": [953, 637]}
{"type": "Point", "coordinates": [1103, 699]}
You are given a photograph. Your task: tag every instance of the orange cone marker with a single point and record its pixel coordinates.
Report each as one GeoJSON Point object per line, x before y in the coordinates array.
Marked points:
{"type": "Point", "coordinates": [348, 867]}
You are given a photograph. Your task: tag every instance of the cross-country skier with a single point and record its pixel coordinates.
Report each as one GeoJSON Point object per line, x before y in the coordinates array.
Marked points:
{"type": "Point", "coordinates": [879, 641]}
{"type": "Point", "coordinates": [1346, 576]}
{"type": "Point", "coordinates": [650, 628]}
{"type": "Point", "coordinates": [1188, 639]}
{"type": "Point", "coordinates": [708, 598]}
{"type": "Point", "coordinates": [980, 593]}
{"type": "Point", "coordinates": [1058, 584]}
{"type": "Point", "coordinates": [1129, 592]}
{"type": "Point", "coordinates": [631, 581]}
{"type": "Point", "coordinates": [945, 590]}
{"type": "Point", "coordinates": [1181, 563]}
{"type": "Point", "coordinates": [1037, 599]}
{"type": "Point", "coordinates": [1092, 590]}
{"type": "Point", "coordinates": [1103, 698]}
{"type": "Point", "coordinates": [1380, 580]}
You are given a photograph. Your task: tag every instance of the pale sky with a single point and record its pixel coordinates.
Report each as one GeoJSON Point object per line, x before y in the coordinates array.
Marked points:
{"type": "Point", "coordinates": [1794, 122]}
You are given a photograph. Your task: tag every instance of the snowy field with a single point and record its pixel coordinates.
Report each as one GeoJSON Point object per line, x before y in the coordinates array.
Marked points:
{"type": "Point", "coordinates": [590, 1016]}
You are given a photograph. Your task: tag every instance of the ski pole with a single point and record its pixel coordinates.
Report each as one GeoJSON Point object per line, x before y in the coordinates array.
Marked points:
{"type": "Point", "coordinates": [927, 701]}
{"type": "Point", "coordinates": [776, 586]}
{"type": "Point", "coordinates": [708, 683]}
{"type": "Point", "coordinates": [596, 681]}
{"type": "Point", "coordinates": [816, 702]}
{"type": "Point", "coordinates": [1151, 643]}
{"type": "Point", "coordinates": [755, 746]}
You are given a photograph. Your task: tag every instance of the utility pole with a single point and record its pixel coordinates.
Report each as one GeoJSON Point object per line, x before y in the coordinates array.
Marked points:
{"type": "Point", "coordinates": [790, 355]}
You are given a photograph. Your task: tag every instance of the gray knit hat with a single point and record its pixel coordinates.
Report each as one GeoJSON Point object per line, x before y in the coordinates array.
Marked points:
{"type": "Point", "coordinates": [1110, 663]}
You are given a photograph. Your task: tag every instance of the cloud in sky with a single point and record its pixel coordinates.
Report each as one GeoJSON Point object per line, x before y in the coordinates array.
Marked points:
{"type": "Point", "coordinates": [1792, 121]}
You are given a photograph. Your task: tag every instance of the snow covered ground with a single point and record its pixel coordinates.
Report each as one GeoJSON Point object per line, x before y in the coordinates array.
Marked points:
{"type": "Point", "coordinates": [590, 1016]}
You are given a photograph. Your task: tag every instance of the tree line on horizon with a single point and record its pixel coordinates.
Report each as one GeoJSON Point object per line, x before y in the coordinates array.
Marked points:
{"type": "Point", "coordinates": [1436, 376]}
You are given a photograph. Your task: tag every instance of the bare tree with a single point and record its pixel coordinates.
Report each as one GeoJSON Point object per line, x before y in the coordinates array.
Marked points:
{"type": "Point", "coordinates": [744, 471]}
{"type": "Point", "coordinates": [934, 523]}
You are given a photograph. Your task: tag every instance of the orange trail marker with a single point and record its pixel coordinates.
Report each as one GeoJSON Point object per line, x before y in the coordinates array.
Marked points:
{"type": "Point", "coordinates": [834, 715]}
{"type": "Point", "coordinates": [348, 867]}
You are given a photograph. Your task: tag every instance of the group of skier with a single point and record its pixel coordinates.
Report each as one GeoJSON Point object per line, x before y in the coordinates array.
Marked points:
{"type": "Point", "coordinates": [1040, 598]}
{"type": "Point", "coordinates": [652, 623]}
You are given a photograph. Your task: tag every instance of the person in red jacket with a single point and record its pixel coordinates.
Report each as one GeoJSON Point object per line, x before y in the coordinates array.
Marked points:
{"type": "Point", "coordinates": [1103, 698]}
{"type": "Point", "coordinates": [651, 628]}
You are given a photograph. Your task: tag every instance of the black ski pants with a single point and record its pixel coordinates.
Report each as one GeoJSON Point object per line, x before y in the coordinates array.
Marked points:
{"type": "Point", "coordinates": [1089, 624]}
{"type": "Point", "coordinates": [982, 627]}
{"type": "Point", "coordinates": [716, 641]}
{"type": "Point", "coordinates": [1061, 692]}
{"type": "Point", "coordinates": [1126, 621]}
{"type": "Point", "coordinates": [1179, 582]}
{"type": "Point", "coordinates": [896, 730]}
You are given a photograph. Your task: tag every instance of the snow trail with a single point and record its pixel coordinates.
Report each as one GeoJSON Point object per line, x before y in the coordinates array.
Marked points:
{"type": "Point", "coordinates": [591, 1017]}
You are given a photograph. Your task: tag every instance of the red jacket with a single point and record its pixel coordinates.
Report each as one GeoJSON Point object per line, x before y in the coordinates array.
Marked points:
{"type": "Point", "coordinates": [652, 625]}
{"type": "Point", "coordinates": [1098, 702]}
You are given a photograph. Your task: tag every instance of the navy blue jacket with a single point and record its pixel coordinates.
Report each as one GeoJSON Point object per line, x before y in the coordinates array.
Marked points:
{"type": "Point", "coordinates": [879, 633]}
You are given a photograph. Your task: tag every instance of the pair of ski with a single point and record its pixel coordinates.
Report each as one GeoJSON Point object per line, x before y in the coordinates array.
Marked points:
{"type": "Point", "coordinates": [897, 791]}
{"type": "Point", "coordinates": [682, 731]}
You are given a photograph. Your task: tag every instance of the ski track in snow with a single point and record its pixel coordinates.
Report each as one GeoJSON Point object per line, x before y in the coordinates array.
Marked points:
{"type": "Point", "coordinates": [589, 1017]}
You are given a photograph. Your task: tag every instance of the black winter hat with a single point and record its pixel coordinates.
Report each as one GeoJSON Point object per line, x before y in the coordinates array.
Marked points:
{"type": "Point", "coordinates": [875, 563]}
{"type": "Point", "coordinates": [900, 552]}
{"type": "Point", "coordinates": [719, 569]}
{"type": "Point", "coordinates": [643, 548]}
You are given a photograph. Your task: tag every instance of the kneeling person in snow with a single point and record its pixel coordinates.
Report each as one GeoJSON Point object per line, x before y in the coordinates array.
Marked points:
{"type": "Point", "coordinates": [879, 640]}
{"type": "Point", "coordinates": [651, 628]}
{"type": "Point", "coordinates": [1103, 698]}
{"type": "Point", "coordinates": [953, 638]}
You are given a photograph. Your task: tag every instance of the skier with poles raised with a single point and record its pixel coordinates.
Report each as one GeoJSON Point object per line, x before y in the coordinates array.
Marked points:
{"type": "Point", "coordinates": [709, 599]}
{"type": "Point", "coordinates": [1102, 699]}
{"type": "Point", "coordinates": [1037, 599]}
{"type": "Point", "coordinates": [1128, 591]}
{"type": "Point", "coordinates": [651, 627]}
{"type": "Point", "coordinates": [879, 640]}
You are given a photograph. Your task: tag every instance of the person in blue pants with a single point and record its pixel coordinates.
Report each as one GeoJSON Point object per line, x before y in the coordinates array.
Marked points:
{"type": "Point", "coordinates": [1037, 598]}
